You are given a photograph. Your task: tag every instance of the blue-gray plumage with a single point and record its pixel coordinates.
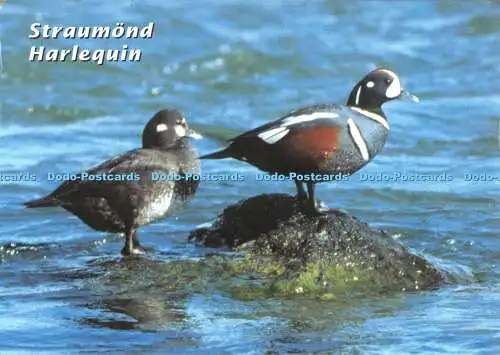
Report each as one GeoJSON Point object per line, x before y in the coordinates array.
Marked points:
{"type": "Point", "coordinates": [322, 139]}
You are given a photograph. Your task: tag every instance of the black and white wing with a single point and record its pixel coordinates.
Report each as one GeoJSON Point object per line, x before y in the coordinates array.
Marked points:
{"type": "Point", "coordinates": [273, 132]}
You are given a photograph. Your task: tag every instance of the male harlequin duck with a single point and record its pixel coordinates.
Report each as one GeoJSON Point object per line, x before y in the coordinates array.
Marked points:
{"type": "Point", "coordinates": [145, 192]}
{"type": "Point", "coordinates": [322, 139]}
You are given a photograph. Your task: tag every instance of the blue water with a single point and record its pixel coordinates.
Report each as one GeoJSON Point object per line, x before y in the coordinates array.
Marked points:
{"type": "Point", "coordinates": [229, 66]}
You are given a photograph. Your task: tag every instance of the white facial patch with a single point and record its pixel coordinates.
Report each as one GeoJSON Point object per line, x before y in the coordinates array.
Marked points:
{"type": "Point", "coordinates": [180, 131]}
{"type": "Point", "coordinates": [370, 84]}
{"type": "Point", "coordinates": [358, 139]}
{"type": "Point", "coordinates": [162, 127]}
{"type": "Point", "coordinates": [394, 89]}
{"type": "Point", "coordinates": [275, 134]}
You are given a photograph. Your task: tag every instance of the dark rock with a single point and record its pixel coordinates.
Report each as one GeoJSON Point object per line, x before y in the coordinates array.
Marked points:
{"type": "Point", "coordinates": [304, 252]}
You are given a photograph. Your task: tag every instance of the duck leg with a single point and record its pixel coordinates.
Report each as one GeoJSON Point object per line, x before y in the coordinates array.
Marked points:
{"type": "Point", "coordinates": [310, 206]}
{"type": "Point", "coordinates": [301, 193]}
{"type": "Point", "coordinates": [132, 246]}
{"type": "Point", "coordinates": [135, 240]}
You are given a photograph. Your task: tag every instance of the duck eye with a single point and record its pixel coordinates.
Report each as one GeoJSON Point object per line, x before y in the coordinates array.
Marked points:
{"type": "Point", "coordinates": [388, 81]}
{"type": "Point", "coordinates": [178, 122]}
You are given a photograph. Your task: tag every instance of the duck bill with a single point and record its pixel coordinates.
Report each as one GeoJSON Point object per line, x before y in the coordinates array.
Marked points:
{"type": "Point", "coordinates": [405, 95]}
{"type": "Point", "coordinates": [193, 134]}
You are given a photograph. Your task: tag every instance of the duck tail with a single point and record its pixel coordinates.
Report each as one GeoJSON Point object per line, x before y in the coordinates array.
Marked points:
{"type": "Point", "coordinates": [47, 201]}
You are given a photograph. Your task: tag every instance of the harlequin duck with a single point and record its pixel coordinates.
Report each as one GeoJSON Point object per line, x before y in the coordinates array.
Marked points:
{"type": "Point", "coordinates": [142, 191]}
{"type": "Point", "coordinates": [322, 139]}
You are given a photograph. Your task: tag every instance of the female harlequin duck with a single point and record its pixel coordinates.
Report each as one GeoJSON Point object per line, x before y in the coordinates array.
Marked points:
{"type": "Point", "coordinates": [143, 188]}
{"type": "Point", "coordinates": [322, 139]}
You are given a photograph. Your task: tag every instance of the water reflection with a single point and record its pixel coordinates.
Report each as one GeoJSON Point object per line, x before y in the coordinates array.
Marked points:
{"type": "Point", "coordinates": [140, 293]}
{"type": "Point", "coordinates": [142, 313]}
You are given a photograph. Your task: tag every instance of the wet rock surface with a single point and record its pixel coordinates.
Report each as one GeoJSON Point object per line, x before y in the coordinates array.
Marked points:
{"type": "Point", "coordinates": [333, 252]}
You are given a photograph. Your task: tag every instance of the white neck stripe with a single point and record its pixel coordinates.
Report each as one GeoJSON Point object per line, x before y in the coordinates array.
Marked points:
{"type": "Point", "coordinates": [357, 95]}
{"type": "Point", "coordinates": [371, 115]}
